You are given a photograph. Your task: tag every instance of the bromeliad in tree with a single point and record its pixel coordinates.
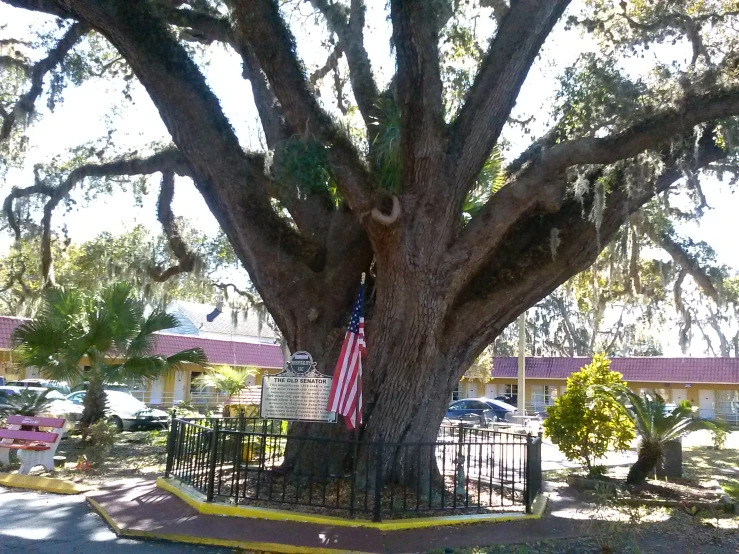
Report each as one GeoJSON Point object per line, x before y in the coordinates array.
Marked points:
{"type": "Point", "coordinates": [404, 180]}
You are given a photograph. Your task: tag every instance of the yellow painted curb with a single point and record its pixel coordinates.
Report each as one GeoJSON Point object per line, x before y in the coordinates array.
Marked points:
{"type": "Point", "coordinates": [190, 539]}
{"type": "Point", "coordinates": [38, 483]}
{"type": "Point", "coordinates": [197, 501]}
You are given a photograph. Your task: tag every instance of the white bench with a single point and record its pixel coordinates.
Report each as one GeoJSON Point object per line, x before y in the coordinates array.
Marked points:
{"type": "Point", "coordinates": [34, 447]}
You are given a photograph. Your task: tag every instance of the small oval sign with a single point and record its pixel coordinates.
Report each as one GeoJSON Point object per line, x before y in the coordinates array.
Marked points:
{"type": "Point", "coordinates": [300, 363]}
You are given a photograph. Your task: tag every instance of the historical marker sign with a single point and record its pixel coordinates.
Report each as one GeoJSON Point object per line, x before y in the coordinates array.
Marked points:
{"type": "Point", "coordinates": [299, 392]}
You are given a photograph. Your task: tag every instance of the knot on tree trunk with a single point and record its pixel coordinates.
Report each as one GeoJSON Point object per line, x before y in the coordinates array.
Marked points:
{"type": "Point", "coordinates": [387, 219]}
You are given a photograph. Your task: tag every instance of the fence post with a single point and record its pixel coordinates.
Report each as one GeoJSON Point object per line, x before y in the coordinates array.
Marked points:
{"type": "Point", "coordinates": [212, 461]}
{"type": "Point", "coordinates": [529, 464]}
{"type": "Point", "coordinates": [171, 443]}
{"type": "Point", "coordinates": [533, 470]}
{"type": "Point", "coordinates": [378, 479]}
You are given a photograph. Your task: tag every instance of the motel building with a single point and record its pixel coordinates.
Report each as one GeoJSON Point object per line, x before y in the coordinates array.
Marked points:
{"type": "Point", "coordinates": [229, 339]}
{"type": "Point", "coordinates": [711, 384]}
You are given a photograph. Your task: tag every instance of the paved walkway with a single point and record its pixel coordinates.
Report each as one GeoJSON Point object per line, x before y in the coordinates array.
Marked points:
{"type": "Point", "coordinates": [137, 508]}
{"type": "Point", "coordinates": [43, 523]}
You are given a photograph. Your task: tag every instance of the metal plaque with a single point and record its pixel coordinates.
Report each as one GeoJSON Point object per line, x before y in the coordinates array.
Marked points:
{"type": "Point", "coordinates": [299, 392]}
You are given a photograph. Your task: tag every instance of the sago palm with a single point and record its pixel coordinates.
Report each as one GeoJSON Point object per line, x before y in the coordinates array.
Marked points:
{"type": "Point", "coordinates": [226, 379]}
{"type": "Point", "coordinates": [25, 403]}
{"type": "Point", "coordinates": [654, 426]}
{"type": "Point", "coordinates": [109, 329]}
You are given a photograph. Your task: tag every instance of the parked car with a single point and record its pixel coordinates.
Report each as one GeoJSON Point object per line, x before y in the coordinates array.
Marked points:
{"type": "Point", "coordinates": [487, 407]}
{"type": "Point", "coordinates": [60, 386]}
{"type": "Point", "coordinates": [512, 400]}
{"type": "Point", "coordinates": [121, 387]}
{"type": "Point", "coordinates": [126, 412]}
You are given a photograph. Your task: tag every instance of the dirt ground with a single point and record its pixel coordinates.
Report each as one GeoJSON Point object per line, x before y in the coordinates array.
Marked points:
{"type": "Point", "coordinates": [132, 454]}
{"type": "Point", "coordinates": [610, 528]}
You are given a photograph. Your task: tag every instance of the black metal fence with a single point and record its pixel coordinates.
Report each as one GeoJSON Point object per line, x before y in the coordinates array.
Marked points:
{"type": "Point", "coordinates": [465, 470]}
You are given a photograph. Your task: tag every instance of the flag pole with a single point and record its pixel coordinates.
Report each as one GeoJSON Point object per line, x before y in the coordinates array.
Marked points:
{"type": "Point", "coordinates": [357, 415]}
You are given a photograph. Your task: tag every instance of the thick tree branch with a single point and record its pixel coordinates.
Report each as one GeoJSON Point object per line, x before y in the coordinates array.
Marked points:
{"type": "Point", "coordinates": [232, 183]}
{"type": "Point", "coordinates": [493, 95]}
{"type": "Point", "coordinates": [348, 26]}
{"type": "Point", "coordinates": [419, 92]}
{"type": "Point", "coordinates": [186, 258]}
{"type": "Point", "coordinates": [52, 7]}
{"type": "Point", "coordinates": [540, 188]}
{"type": "Point", "coordinates": [682, 310]}
{"type": "Point", "coordinates": [167, 160]}
{"type": "Point", "coordinates": [683, 258]}
{"type": "Point", "coordinates": [260, 25]}
{"type": "Point", "coordinates": [522, 269]}
{"type": "Point", "coordinates": [206, 28]}
{"type": "Point", "coordinates": [203, 27]}
{"type": "Point", "coordinates": [25, 104]}
{"type": "Point", "coordinates": [16, 193]}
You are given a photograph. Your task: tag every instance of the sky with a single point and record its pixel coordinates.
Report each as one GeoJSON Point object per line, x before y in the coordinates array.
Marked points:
{"type": "Point", "coordinates": [88, 111]}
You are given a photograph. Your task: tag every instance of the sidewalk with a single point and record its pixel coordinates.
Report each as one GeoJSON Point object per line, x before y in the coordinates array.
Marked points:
{"type": "Point", "coordinates": [136, 508]}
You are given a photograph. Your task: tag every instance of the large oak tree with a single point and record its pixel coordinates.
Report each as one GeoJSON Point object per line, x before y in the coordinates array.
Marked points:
{"type": "Point", "coordinates": [453, 255]}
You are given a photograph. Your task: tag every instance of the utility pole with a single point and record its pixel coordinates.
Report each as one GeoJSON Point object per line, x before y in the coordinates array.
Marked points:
{"type": "Point", "coordinates": [522, 364]}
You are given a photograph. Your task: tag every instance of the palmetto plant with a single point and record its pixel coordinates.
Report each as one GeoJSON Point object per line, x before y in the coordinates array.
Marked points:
{"type": "Point", "coordinates": [25, 403]}
{"type": "Point", "coordinates": [226, 379]}
{"type": "Point", "coordinates": [109, 329]}
{"type": "Point", "coordinates": [654, 426]}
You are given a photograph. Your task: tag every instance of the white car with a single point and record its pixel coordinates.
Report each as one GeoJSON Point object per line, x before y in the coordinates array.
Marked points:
{"type": "Point", "coordinates": [126, 412]}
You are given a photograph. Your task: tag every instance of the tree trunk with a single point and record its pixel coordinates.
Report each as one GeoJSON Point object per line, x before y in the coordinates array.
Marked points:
{"type": "Point", "coordinates": [408, 382]}
{"type": "Point", "coordinates": [94, 403]}
{"type": "Point", "coordinates": [649, 456]}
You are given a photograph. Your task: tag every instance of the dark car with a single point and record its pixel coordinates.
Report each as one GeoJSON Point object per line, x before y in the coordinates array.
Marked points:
{"type": "Point", "coordinates": [481, 407]}
{"type": "Point", "coordinates": [512, 400]}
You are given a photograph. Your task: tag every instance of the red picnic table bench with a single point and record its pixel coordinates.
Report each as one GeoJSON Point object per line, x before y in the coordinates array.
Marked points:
{"type": "Point", "coordinates": [34, 447]}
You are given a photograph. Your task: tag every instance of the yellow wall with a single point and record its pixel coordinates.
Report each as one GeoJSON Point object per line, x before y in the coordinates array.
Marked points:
{"type": "Point", "coordinates": [668, 388]}
{"type": "Point", "coordinates": [7, 368]}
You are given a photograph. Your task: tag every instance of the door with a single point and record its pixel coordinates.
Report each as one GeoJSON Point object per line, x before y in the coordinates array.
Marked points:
{"type": "Point", "coordinates": [157, 390]}
{"type": "Point", "coordinates": [180, 386]}
{"type": "Point", "coordinates": [678, 395]}
{"type": "Point", "coordinates": [491, 391]}
{"type": "Point", "coordinates": [707, 403]}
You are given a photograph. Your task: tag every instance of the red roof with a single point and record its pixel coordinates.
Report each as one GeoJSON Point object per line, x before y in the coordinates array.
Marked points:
{"type": "Point", "coordinates": [656, 370]}
{"type": "Point", "coordinates": [7, 326]}
{"type": "Point", "coordinates": [218, 351]}
{"type": "Point", "coordinates": [223, 351]}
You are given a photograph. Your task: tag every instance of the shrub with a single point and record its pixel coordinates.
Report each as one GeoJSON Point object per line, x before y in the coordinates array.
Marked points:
{"type": "Point", "coordinates": [586, 422]}
{"type": "Point", "coordinates": [101, 436]}
{"type": "Point", "coordinates": [718, 434]}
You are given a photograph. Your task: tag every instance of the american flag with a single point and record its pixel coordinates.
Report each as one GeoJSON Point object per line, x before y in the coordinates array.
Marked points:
{"type": "Point", "coordinates": [346, 389]}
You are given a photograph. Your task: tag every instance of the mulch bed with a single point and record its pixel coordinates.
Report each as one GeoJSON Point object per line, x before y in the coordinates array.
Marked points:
{"type": "Point", "coordinates": [677, 489]}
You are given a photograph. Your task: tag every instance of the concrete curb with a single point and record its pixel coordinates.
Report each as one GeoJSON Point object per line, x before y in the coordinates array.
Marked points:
{"type": "Point", "coordinates": [197, 500]}
{"type": "Point", "coordinates": [190, 539]}
{"type": "Point", "coordinates": [44, 484]}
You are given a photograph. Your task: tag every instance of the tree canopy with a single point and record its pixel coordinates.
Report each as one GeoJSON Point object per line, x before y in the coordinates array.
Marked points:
{"type": "Point", "coordinates": [137, 256]}
{"type": "Point", "coordinates": [399, 166]}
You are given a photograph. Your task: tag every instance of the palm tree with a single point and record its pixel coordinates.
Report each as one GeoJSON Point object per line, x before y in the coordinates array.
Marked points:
{"type": "Point", "coordinates": [654, 426]}
{"type": "Point", "coordinates": [226, 379]}
{"type": "Point", "coordinates": [109, 329]}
